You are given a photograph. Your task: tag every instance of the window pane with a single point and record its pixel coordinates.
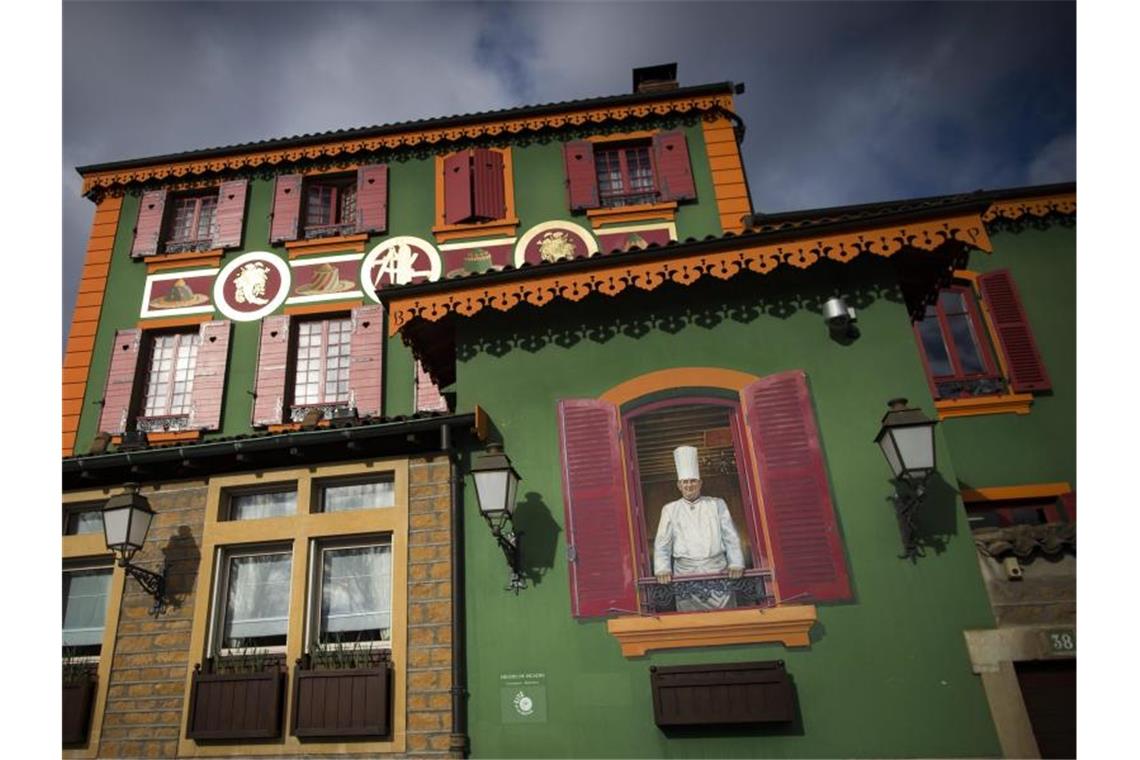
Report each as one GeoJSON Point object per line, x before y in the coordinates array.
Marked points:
{"type": "Point", "coordinates": [356, 594]}
{"type": "Point", "coordinates": [252, 506]}
{"type": "Point", "coordinates": [342, 498]}
{"type": "Point", "coordinates": [969, 355]}
{"type": "Point", "coordinates": [257, 601]}
{"type": "Point", "coordinates": [85, 608]}
{"type": "Point", "coordinates": [81, 521]}
{"type": "Point", "coordinates": [935, 347]}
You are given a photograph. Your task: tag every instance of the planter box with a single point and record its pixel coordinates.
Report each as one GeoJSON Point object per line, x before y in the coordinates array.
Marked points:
{"type": "Point", "coordinates": [235, 705]}
{"type": "Point", "coordinates": [354, 702]}
{"type": "Point", "coordinates": [740, 693]}
{"type": "Point", "coordinates": [77, 701]}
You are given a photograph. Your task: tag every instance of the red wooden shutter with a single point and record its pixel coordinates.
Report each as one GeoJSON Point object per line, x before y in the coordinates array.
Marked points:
{"type": "Point", "coordinates": [807, 550]}
{"type": "Point", "coordinates": [581, 175]}
{"type": "Point", "coordinates": [286, 208]}
{"type": "Point", "coordinates": [366, 366]}
{"type": "Point", "coordinates": [148, 228]}
{"type": "Point", "coordinates": [372, 198]}
{"type": "Point", "coordinates": [272, 371]}
{"type": "Point", "coordinates": [230, 214]}
{"type": "Point", "coordinates": [674, 175]}
{"type": "Point", "coordinates": [490, 197]}
{"type": "Point", "coordinates": [1022, 359]}
{"type": "Point", "coordinates": [210, 375]}
{"type": "Point", "coordinates": [597, 515]}
{"type": "Point", "coordinates": [428, 397]}
{"type": "Point", "coordinates": [457, 187]}
{"type": "Point", "coordinates": [122, 378]}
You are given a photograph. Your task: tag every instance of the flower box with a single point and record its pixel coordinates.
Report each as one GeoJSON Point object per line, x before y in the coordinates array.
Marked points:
{"type": "Point", "coordinates": [77, 700]}
{"type": "Point", "coordinates": [342, 702]}
{"type": "Point", "coordinates": [739, 693]}
{"type": "Point", "coordinates": [235, 705]}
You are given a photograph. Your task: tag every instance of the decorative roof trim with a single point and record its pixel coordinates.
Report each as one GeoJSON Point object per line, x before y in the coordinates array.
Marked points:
{"type": "Point", "coordinates": [103, 180]}
{"type": "Point", "coordinates": [612, 278]}
{"type": "Point", "coordinates": [1012, 210]}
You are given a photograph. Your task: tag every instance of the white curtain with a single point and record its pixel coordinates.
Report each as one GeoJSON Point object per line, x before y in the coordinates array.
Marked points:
{"type": "Point", "coordinates": [252, 506]}
{"type": "Point", "coordinates": [258, 600]}
{"type": "Point", "coordinates": [359, 496]}
{"type": "Point", "coordinates": [84, 606]}
{"type": "Point", "coordinates": [356, 592]}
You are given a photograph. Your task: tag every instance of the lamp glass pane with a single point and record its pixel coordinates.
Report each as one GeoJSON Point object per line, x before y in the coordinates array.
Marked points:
{"type": "Point", "coordinates": [887, 444]}
{"type": "Point", "coordinates": [115, 523]}
{"type": "Point", "coordinates": [140, 524]}
{"type": "Point", "coordinates": [492, 488]}
{"type": "Point", "coordinates": [512, 488]}
{"type": "Point", "coordinates": [916, 446]}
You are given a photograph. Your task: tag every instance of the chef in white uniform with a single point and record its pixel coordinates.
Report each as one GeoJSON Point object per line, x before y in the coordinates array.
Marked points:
{"type": "Point", "coordinates": [696, 537]}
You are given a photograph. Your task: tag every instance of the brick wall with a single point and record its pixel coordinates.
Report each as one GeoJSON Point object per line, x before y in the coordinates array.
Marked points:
{"type": "Point", "coordinates": [148, 672]}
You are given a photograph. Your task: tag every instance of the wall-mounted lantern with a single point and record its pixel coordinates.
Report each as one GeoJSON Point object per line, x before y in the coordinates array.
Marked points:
{"type": "Point", "coordinates": [907, 441]}
{"type": "Point", "coordinates": [496, 484]}
{"type": "Point", "coordinates": [840, 318]}
{"type": "Point", "coordinates": [126, 521]}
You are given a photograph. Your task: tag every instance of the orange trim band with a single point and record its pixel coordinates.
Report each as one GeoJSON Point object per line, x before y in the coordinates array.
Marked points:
{"type": "Point", "coordinates": [351, 243]}
{"type": "Point", "coordinates": [323, 308]}
{"type": "Point", "coordinates": [729, 184]}
{"type": "Point", "coordinates": [158, 324]}
{"type": "Point", "coordinates": [211, 258]}
{"type": "Point", "coordinates": [1064, 203]}
{"type": "Point", "coordinates": [1010, 403]}
{"type": "Point", "coordinates": [640, 213]}
{"type": "Point", "coordinates": [1004, 493]}
{"type": "Point", "coordinates": [165, 437]}
{"type": "Point", "coordinates": [679, 377]}
{"type": "Point", "coordinates": [790, 626]}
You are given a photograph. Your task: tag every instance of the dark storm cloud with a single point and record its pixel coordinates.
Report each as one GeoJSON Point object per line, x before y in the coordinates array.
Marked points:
{"type": "Point", "coordinates": [846, 102]}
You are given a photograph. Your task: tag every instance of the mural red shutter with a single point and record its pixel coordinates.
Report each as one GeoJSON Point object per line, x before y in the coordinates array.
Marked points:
{"type": "Point", "coordinates": [593, 493]}
{"type": "Point", "coordinates": [457, 187]}
{"type": "Point", "coordinates": [366, 363]}
{"type": "Point", "coordinates": [272, 371]}
{"type": "Point", "coordinates": [1022, 359]}
{"type": "Point", "coordinates": [122, 378]}
{"type": "Point", "coordinates": [428, 397]}
{"type": "Point", "coordinates": [210, 375]}
{"type": "Point", "coordinates": [1069, 504]}
{"type": "Point", "coordinates": [490, 197]}
{"type": "Point", "coordinates": [372, 198]}
{"type": "Point", "coordinates": [581, 175]}
{"type": "Point", "coordinates": [230, 214]}
{"type": "Point", "coordinates": [808, 558]}
{"type": "Point", "coordinates": [148, 228]}
{"type": "Point", "coordinates": [674, 175]}
{"type": "Point", "coordinates": [286, 208]}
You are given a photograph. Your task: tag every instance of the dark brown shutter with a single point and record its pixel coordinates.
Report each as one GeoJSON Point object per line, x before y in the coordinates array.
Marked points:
{"type": "Point", "coordinates": [1023, 360]}
{"type": "Point", "coordinates": [286, 208]}
{"type": "Point", "coordinates": [272, 371]}
{"type": "Point", "coordinates": [230, 214]}
{"type": "Point", "coordinates": [210, 375]}
{"type": "Point", "coordinates": [674, 175]}
{"type": "Point", "coordinates": [488, 189]}
{"type": "Point", "coordinates": [372, 198]}
{"type": "Point", "coordinates": [148, 228]}
{"type": "Point", "coordinates": [807, 550]}
{"type": "Point", "coordinates": [122, 379]}
{"type": "Point", "coordinates": [428, 397]}
{"type": "Point", "coordinates": [457, 187]}
{"type": "Point", "coordinates": [581, 175]}
{"type": "Point", "coordinates": [366, 363]}
{"type": "Point", "coordinates": [597, 514]}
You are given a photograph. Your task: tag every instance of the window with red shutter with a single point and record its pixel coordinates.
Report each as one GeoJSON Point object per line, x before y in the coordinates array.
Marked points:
{"type": "Point", "coordinates": [628, 173]}
{"type": "Point", "coordinates": [474, 186]}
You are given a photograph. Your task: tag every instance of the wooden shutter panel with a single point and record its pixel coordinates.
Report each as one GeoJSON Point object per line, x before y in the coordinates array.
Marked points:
{"type": "Point", "coordinates": [230, 214]}
{"type": "Point", "coordinates": [1069, 504]}
{"type": "Point", "coordinates": [581, 175]}
{"type": "Point", "coordinates": [210, 375]}
{"type": "Point", "coordinates": [457, 187]}
{"type": "Point", "coordinates": [597, 515]}
{"type": "Point", "coordinates": [1022, 359]}
{"type": "Point", "coordinates": [490, 197]}
{"type": "Point", "coordinates": [286, 208]}
{"type": "Point", "coordinates": [122, 379]}
{"type": "Point", "coordinates": [366, 363]}
{"type": "Point", "coordinates": [372, 198]}
{"type": "Point", "coordinates": [674, 175]}
{"type": "Point", "coordinates": [808, 558]}
{"type": "Point", "coordinates": [272, 371]}
{"type": "Point", "coordinates": [428, 397]}
{"type": "Point", "coordinates": [148, 228]}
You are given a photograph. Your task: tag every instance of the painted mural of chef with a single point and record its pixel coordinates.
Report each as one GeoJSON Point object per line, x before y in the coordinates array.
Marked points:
{"type": "Point", "coordinates": [696, 537]}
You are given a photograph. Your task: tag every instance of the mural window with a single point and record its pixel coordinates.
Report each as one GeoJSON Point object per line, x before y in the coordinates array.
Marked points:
{"type": "Point", "coordinates": [322, 358]}
{"type": "Point", "coordinates": [351, 594]}
{"type": "Point", "coordinates": [474, 187]}
{"type": "Point", "coordinates": [191, 223]}
{"type": "Point", "coordinates": [83, 518]}
{"type": "Point", "coordinates": [251, 600]}
{"type": "Point", "coordinates": [625, 175]}
{"type": "Point", "coordinates": [330, 206]}
{"type": "Point", "coordinates": [168, 384]}
{"type": "Point", "coordinates": [347, 496]}
{"type": "Point", "coordinates": [612, 172]}
{"type": "Point", "coordinates": [259, 504]}
{"type": "Point", "coordinates": [85, 593]}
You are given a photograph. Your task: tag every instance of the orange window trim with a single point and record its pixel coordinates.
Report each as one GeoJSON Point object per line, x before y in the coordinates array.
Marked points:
{"type": "Point", "coordinates": [322, 308]}
{"type": "Point", "coordinates": [298, 248]}
{"type": "Point", "coordinates": [1005, 493]}
{"type": "Point", "coordinates": [165, 437]}
{"type": "Point", "coordinates": [187, 321]}
{"type": "Point", "coordinates": [973, 406]}
{"type": "Point", "coordinates": [678, 377]}
{"type": "Point", "coordinates": [666, 211]}
{"type": "Point", "coordinates": [506, 226]}
{"type": "Point", "coordinates": [211, 258]}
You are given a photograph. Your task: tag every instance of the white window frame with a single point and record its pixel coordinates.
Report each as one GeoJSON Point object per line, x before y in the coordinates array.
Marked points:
{"type": "Point", "coordinates": [315, 575]}
{"type": "Point", "coordinates": [94, 563]}
{"type": "Point", "coordinates": [219, 595]}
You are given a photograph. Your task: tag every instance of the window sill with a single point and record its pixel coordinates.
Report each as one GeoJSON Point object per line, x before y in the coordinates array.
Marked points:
{"type": "Point", "coordinates": [666, 211]}
{"type": "Point", "coordinates": [497, 227]}
{"type": "Point", "coordinates": [789, 625]}
{"type": "Point", "coordinates": [211, 258]}
{"type": "Point", "coordinates": [177, 436]}
{"type": "Point", "coordinates": [1010, 403]}
{"type": "Point", "coordinates": [298, 248]}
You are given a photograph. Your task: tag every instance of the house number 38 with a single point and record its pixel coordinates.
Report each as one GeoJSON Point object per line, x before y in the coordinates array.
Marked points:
{"type": "Point", "coordinates": [1062, 642]}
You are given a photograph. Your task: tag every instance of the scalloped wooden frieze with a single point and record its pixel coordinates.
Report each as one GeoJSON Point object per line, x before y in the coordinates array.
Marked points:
{"type": "Point", "coordinates": [1065, 203]}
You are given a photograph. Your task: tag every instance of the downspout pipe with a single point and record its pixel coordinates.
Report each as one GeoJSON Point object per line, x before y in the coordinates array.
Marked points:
{"type": "Point", "coordinates": [459, 739]}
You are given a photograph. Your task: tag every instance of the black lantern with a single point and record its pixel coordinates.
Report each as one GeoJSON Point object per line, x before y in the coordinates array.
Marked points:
{"type": "Point", "coordinates": [907, 441]}
{"type": "Point", "coordinates": [126, 521]}
{"type": "Point", "coordinates": [496, 484]}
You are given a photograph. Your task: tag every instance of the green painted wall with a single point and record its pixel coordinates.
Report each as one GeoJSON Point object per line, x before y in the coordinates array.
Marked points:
{"type": "Point", "coordinates": [1040, 447]}
{"type": "Point", "coordinates": [887, 675]}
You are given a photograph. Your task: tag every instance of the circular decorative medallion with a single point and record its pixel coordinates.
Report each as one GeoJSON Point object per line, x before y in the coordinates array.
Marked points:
{"type": "Point", "coordinates": [401, 260]}
{"type": "Point", "coordinates": [251, 286]}
{"type": "Point", "coordinates": [554, 241]}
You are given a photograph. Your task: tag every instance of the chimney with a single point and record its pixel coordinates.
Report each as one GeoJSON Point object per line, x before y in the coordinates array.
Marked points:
{"type": "Point", "coordinates": [655, 78]}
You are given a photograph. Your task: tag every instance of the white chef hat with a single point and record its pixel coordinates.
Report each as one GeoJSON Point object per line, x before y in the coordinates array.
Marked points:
{"type": "Point", "coordinates": [685, 457]}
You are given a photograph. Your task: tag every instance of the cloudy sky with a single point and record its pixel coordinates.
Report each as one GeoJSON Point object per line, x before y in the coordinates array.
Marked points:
{"type": "Point", "coordinates": [846, 102]}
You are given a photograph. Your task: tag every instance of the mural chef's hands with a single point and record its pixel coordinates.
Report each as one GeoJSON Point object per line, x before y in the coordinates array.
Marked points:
{"type": "Point", "coordinates": [664, 577]}
{"type": "Point", "coordinates": [735, 572]}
